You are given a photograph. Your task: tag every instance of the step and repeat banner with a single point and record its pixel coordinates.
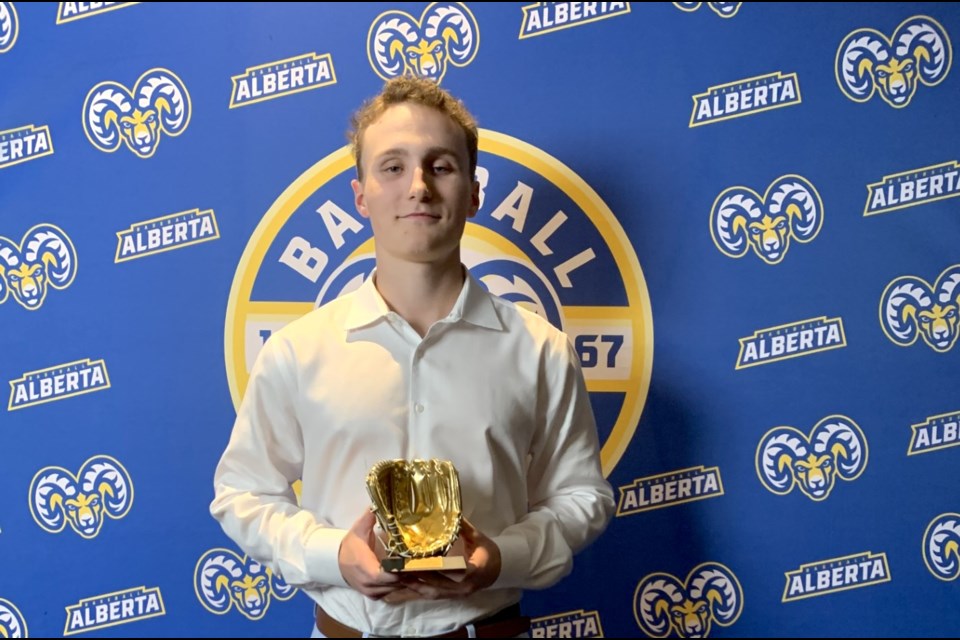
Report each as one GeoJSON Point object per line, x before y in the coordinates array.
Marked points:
{"type": "Point", "coordinates": [744, 215]}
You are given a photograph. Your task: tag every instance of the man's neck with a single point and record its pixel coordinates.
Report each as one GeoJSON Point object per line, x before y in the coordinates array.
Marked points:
{"type": "Point", "coordinates": [421, 293]}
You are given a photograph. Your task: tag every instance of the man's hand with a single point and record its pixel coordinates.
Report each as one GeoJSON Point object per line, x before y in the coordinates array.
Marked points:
{"type": "Point", "coordinates": [483, 569]}
{"type": "Point", "coordinates": [361, 568]}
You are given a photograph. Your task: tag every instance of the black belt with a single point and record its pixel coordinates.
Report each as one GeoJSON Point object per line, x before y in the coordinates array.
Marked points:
{"type": "Point", "coordinates": [507, 623]}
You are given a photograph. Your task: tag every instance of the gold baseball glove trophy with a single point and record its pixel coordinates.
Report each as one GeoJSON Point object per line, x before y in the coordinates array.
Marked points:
{"type": "Point", "coordinates": [417, 503]}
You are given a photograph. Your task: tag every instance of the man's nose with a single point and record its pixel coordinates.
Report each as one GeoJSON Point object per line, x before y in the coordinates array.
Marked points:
{"type": "Point", "coordinates": [419, 188]}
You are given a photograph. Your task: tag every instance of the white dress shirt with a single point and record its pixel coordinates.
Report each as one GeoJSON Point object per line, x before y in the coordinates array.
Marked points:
{"type": "Point", "coordinates": [493, 388]}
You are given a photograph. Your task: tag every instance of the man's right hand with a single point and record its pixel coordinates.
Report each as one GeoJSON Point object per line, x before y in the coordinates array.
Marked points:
{"type": "Point", "coordinates": [360, 566]}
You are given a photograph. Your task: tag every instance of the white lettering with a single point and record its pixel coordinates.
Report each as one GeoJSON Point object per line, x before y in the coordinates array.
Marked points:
{"type": "Point", "coordinates": [710, 483]}
{"type": "Point", "coordinates": [20, 393]}
{"type": "Point", "coordinates": [533, 24]}
{"type": "Point", "coordinates": [560, 12]}
{"type": "Point", "coordinates": [539, 241]}
{"type": "Point", "coordinates": [703, 111]}
{"type": "Point", "coordinates": [563, 271]}
{"type": "Point", "coordinates": [879, 201]}
{"type": "Point", "coordinates": [951, 177]}
{"type": "Point", "coordinates": [879, 569]}
{"type": "Point", "coordinates": [304, 258]}
{"type": "Point", "coordinates": [43, 142]}
{"type": "Point", "coordinates": [776, 345]}
{"type": "Point", "coordinates": [280, 81]}
{"type": "Point", "coordinates": [906, 191]}
{"type": "Point", "coordinates": [24, 146]}
{"type": "Point", "coordinates": [337, 221]}
{"type": "Point", "coordinates": [796, 585]}
{"type": "Point", "coordinates": [823, 580]}
{"type": "Point", "coordinates": [789, 91]}
{"type": "Point", "coordinates": [127, 247]}
{"type": "Point", "coordinates": [76, 619]}
{"type": "Point", "coordinates": [243, 90]}
{"type": "Point", "coordinates": [936, 185]}
{"type": "Point", "coordinates": [516, 206]}
{"type": "Point", "coordinates": [731, 102]}
{"type": "Point", "coordinates": [774, 90]}
{"type": "Point", "coordinates": [655, 493]}
{"type": "Point", "coordinates": [744, 99]}
{"type": "Point", "coordinates": [937, 433]}
{"type": "Point", "coordinates": [760, 97]}
{"type": "Point", "coordinates": [833, 334]}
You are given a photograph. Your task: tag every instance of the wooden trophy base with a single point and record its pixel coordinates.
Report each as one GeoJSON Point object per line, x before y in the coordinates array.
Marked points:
{"type": "Point", "coordinates": [437, 563]}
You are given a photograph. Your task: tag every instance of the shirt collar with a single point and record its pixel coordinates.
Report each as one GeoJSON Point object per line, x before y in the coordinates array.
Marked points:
{"type": "Point", "coordinates": [474, 305]}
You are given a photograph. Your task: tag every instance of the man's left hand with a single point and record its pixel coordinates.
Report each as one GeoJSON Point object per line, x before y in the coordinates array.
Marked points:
{"type": "Point", "coordinates": [483, 569]}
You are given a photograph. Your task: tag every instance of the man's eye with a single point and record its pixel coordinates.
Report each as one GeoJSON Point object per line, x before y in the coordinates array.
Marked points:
{"type": "Point", "coordinates": [393, 168]}
{"type": "Point", "coordinates": [441, 168]}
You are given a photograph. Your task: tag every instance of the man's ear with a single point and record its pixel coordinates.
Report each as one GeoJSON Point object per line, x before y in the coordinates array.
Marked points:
{"type": "Point", "coordinates": [474, 199]}
{"type": "Point", "coordinates": [358, 199]}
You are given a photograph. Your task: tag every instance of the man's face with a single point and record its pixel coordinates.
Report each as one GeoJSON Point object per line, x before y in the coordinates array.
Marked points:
{"type": "Point", "coordinates": [417, 189]}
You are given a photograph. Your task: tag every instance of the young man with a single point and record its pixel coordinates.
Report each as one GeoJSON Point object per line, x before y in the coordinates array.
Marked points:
{"type": "Point", "coordinates": [419, 362]}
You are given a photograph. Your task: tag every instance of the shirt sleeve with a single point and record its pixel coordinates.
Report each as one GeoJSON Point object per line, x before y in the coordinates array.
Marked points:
{"type": "Point", "coordinates": [570, 502]}
{"type": "Point", "coordinates": [254, 501]}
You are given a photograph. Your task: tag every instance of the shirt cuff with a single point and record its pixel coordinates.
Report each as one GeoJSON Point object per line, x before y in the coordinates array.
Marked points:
{"type": "Point", "coordinates": [323, 556]}
{"type": "Point", "coordinates": [514, 561]}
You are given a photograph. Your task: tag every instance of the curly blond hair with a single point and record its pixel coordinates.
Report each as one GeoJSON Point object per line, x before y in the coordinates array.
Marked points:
{"type": "Point", "coordinates": [418, 91]}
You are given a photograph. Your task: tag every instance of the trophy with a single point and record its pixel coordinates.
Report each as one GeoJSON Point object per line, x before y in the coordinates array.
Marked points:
{"type": "Point", "coordinates": [417, 504]}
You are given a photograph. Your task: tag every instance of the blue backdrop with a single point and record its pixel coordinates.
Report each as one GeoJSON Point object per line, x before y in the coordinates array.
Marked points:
{"type": "Point", "coordinates": [743, 215]}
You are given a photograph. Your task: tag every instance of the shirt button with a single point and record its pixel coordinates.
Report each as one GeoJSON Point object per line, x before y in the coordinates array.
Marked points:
{"type": "Point", "coordinates": [418, 408]}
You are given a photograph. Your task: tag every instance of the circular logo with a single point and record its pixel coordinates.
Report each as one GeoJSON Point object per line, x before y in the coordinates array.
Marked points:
{"type": "Point", "coordinates": [12, 623]}
{"type": "Point", "coordinates": [542, 238]}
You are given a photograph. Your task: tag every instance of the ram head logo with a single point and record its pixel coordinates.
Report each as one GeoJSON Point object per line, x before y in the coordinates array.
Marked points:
{"type": "Point", "coordinates": [910, 307]}
{"type": "Point", "coordinates": [113, 115]}
{"type": "Point", "coordinates": [44, 258]}
{"type": "Point", "coordinates": [869, 62]}
{"type": "Point", "coordinates": [787, 458]}
{"type": "Point", "coordinates": [223, 580]}
{"type": "Point", "coordinates": [521, 284]}
{"type": "Point", "coordinates": [348, 277]}
{"type": "Point", "coordinates": [741, 220]}
{"type": "Point", "coordinates": [710, 594]}
{"type": "Point", "coordinates": [12, 624]}
{"type": "Point", "coordinates": [102, 489]}
{"type": "Point", "coordinates": [399, 44]}
{"type": "Point", "coordinates": [9, 26]}
{"type": "Point", "coordinates": [941, 546]}
{"type": "Point", "coordinates": [722, 9]}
